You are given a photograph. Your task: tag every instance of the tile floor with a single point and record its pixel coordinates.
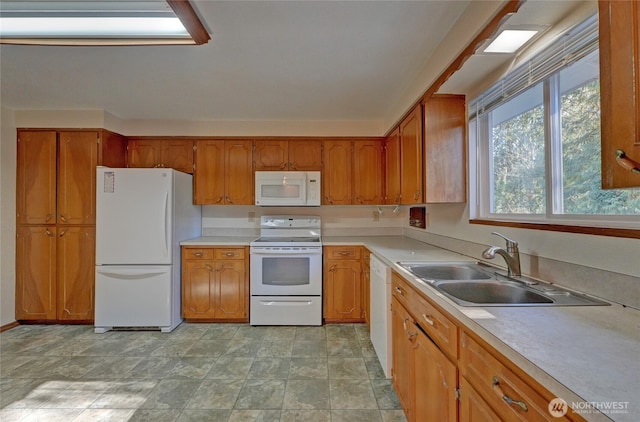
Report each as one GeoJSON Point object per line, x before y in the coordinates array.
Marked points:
{"type": "Point", "coordinates": [199, 372]}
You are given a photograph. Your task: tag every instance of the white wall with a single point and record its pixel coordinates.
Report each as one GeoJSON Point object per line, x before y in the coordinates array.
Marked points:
{"type": "Point", "coordinates": [7, 215]}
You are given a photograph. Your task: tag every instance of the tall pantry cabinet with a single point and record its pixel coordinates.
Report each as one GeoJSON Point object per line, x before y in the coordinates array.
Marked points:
{"type": "Point", "coordinates": [55, 216]}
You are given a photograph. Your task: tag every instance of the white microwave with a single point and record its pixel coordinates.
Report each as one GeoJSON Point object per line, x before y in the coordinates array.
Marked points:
{"type": "Point", "coordinates": [288, 188]}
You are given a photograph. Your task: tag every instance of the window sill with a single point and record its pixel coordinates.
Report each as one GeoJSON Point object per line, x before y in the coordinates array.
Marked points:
{"type": "Point", "coordinates": [598, 231]}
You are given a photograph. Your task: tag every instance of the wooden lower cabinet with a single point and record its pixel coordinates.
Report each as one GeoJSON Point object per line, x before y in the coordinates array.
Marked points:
{"type": "Point", "coordinates": [366, 286]}
{"type": "Point", "coordinates": [342, 290]}
{"type": "Point", "coordinates": [443, 372]}
{"type": "Point", "coordinates": [215, 283]}
{"type": "Point", "coordinates": [55, 273]}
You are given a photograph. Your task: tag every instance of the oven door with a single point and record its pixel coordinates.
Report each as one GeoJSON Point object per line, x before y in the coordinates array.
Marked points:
{"type": "Point", "coordinates": [293, 271]}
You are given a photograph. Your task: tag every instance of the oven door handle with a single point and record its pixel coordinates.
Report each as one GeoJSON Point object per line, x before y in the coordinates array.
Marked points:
{"type": "Point", "coordinates": [286, 252]}
{"type": "Point", "coordinates": [286, 302]}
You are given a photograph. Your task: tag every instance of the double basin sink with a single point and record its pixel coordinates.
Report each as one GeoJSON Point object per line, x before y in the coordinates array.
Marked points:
{"type": "Point", "coordinates": [476, 284]}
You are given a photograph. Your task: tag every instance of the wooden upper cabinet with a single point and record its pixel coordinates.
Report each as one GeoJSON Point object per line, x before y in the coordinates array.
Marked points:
{"type": "Point", "coordinates": [36, 177]}
{"type": "Point", "coordinates": [238, 160]}
{"type": "Point", "coordinates": [305, 155]}
{"type": "Point", "coordinates": [337, 158]}
{"type": "Point", "coordinates": [445, 130]}
{"type": "Point", "coordinates": [288, 155]}
{"type": "Point", "coordinates": [411, 158]}
{"type": "Point", "coordinates": [208, 178]}
{"type": "Point", "coordinates": [223, 172]}
{"type": "Point", "coordinates": [368, 179]}
{"type": "Point", "coordinates": [77, 161]}
{"type": "Point", "coordinates": [36, 272]}
{"type": "Point", "coordinates": [113, 152]}
{"type": "Point", "coordinates": [271, 155]}
{"type": "Point", "coordinates": [620, 92]}
{"type": "Point", "coordinates": [168, 153]}
{"type": "Point", "coordinates": [392, 168]}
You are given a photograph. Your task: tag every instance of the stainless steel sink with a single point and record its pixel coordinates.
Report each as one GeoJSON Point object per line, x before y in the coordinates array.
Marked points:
{"type": "Point", "coordinates": [476, 284]}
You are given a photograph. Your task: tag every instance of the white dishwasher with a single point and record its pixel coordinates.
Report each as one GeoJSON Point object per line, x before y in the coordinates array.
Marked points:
{"type": "Point", "coordinates": [380, 312]}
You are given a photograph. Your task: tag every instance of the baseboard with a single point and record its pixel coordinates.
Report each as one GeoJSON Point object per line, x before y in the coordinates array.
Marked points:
{"type": "Point", "coordinates": [9, 326]}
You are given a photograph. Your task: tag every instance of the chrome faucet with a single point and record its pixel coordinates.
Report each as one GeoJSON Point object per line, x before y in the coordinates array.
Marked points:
{"type": "Point", "coordinates": [511, 255]}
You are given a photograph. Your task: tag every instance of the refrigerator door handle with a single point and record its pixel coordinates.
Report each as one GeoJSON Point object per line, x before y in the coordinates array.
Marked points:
{"type": "Point", "coordinates": [131, 274]}
{"type": "Point", "coordinates": [166, 223]}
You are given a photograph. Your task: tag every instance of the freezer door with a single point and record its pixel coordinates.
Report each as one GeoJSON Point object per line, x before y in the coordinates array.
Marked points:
{"type": "Point", "coordinates": [134, 212]}
{"type": "Point", "coordinates": [134, 296]}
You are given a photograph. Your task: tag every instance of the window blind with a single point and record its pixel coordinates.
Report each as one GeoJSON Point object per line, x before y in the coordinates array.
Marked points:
{"type": "Point", "coordinates": [571, 47]}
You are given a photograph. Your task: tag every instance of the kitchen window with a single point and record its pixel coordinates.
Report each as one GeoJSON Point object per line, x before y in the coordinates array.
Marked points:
{"type": "Point", "coordinates": [535, 143]}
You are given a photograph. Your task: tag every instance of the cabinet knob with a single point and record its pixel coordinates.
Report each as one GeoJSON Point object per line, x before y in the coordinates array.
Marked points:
{"type": "Point", "coordinates": [63, 218]}
{"type": "Point", "coordinates": [208, 267]}
{"type": "Point", "coordinates": [399, 291]}
{"type": "Point", "coordinates": [416, 195]}
{"type": "Point", "coordinates": [48, 218]}
{"type": "Point", "coordinates": [48, 232]}
{"type": "Point", "coordinates": [626, 162]}
{"type": "Point", "coordinates": [63, 232]}
{"type": "Point", "coordinates": [219, 200]}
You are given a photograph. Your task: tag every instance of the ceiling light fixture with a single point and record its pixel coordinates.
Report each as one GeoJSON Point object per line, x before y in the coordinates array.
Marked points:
{"type": "Point", "coordinates": [101, 23]}
{"type": "Point", "coordinates": [512, 38]}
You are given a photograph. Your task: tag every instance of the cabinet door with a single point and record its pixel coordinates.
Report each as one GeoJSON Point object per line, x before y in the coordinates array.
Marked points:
{"type": "Point", "coordinates": [76, 273]}
{"type": "Point", "coordinates": [436, 378]}
{"type": "Point", "coordinates": [620, 91]}
{"type": "Point", "coordinates": [337, 172]}
{"type": "Point", "coordinates": [35, 273]}
{"type": "Point", "coordinates": [411, 159]}
{"type": "Point", "coordinates": [392, 168]}
{"type": "Point", "coordinates": [239, 172]}
{"type": "Point", "coordinates": [445, 128]}
{"type": "Point", "coordinates": [198, 289]}
{"type": "Point", "coordinates": [343, 291]}
{"type": "Point", "coordinates": [142, 153]}
{"type": "Point", "coordinates": [208, 178]}
{"type": "Point", "coordinates": [231, 290]}
{"type": "Point", "coordinates": [305, 155]}
{"type": "Point", "coordinates": [473, 408]}
{"type": "Point", "coordinates": [271, 155]}
{"type": "Point", "coordinates": [77, 161]}
{"type": "Point", "coordinates": [367, 172]}
{"type": "Point", "coordinates": [177, 154]}
{"type": "Point", "coordinates": [36, 177]}
{"type": "Point", "coordinates": [113, 151]}
{"type": "Point", "coordinates": [402, 357]}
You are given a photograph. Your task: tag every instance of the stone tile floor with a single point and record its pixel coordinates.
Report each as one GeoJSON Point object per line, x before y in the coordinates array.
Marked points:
{"type": "Point", "coordinates": [199, 372]}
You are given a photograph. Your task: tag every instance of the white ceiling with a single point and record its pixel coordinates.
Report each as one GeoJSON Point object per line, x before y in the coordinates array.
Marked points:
{"type": "Point", "coordinates": [267, 60]}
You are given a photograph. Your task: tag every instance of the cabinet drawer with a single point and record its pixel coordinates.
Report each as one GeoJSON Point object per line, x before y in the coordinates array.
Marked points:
{"type": "Point", "coordinates": [440, 328]}
{"type": "Point", "coordinates": [342, 252]}
{"type": "Point", "coordinates": [197, 253]}
{"type": "Point", "coordinates": [497, 384]}
{"type": "Point", "coordinates": [229, 253]}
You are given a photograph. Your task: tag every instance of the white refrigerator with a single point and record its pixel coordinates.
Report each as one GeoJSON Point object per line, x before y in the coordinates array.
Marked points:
{"type": "Point", "coordinates": [142, 215]}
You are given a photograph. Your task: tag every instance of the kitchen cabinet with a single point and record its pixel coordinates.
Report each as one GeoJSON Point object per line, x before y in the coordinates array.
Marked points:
{"type": "Point", "coordinates": [352, 172]}
{"type": "Point", "coordinates": [392, 168]}
{"type": "Point", "coordinates": [342, 290]}
{"type": "Point", "coordinates": [420, 367]}
{"type": "Point", "coordinates": [368, 179]}
{"type": "Point", "coordinates": [337, 157]}
{"type": "Point", "coordinates": [55, 215]}
{"type": "Point", "coordinates": [288, 155]}
{"type": "Point", "coordinates": [411, 158]}
{"type": "Point", "coordinates": [619, 38]}
{"type": "Point", "coordinates": [435, 356]}
{"type": "Point", "coordinates": [445, 129]}
{"type": "Point", "coordinates": [223, 172]}
{"type": "Point", "coordinates": [158, 152]}
{"type": "Point", "coordinates": [215, 283]}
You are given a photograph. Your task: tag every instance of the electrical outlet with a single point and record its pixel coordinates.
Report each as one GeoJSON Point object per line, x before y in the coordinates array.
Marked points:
{"type": "Point", "coordinates": [252, 217]}
{"type": "Point", "coordinates": [376, 215]}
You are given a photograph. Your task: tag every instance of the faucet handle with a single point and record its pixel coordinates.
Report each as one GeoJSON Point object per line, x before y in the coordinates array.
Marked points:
{"type": "Point", "coordinates": [511, 244]}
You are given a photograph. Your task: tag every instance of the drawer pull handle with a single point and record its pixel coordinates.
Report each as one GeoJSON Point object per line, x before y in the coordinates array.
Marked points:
{"type": "Point", "coordinates": [507, 399]}
{"type": "Point", "coordinates": [399, 290]}
{"type": "Point", "coordinates": [230, 254]}
{"type": "Point", "coordinates": [344, 253]}
{"type": "Point", "coordinates": [428, 320]}
{"type": "Point", "coordinates": [198, 254]}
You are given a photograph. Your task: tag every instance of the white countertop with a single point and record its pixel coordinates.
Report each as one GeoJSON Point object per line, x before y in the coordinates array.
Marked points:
{"type": "Point", "coordinates": [579, 353]}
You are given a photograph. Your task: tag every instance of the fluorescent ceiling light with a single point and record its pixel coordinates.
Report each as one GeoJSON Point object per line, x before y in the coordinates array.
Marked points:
{"type": "Point", "coordinates": [100, 23]}
{"type": "Point", "coordinates": [92, 27]}
{"type": "Point", "coordinates": [510, 40]}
